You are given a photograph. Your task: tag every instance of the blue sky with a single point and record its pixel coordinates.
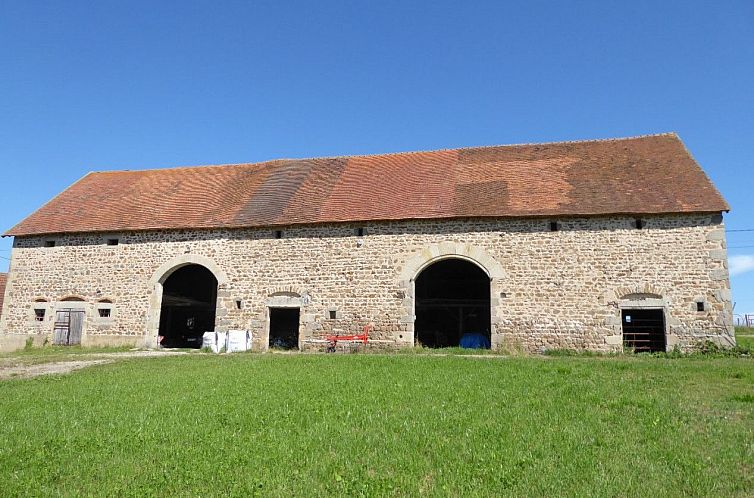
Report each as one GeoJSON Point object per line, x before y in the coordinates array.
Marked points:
{"type": "Point", "coordinates": [126, 85]}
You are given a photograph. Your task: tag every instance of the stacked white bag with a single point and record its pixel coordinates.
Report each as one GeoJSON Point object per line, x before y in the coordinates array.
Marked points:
{"type": "Point", "coordinates": [238, 340]}
{"type": "Point", "coordinates": [215, 341]}
{"type": "Point", "coordinates": [209, 341]}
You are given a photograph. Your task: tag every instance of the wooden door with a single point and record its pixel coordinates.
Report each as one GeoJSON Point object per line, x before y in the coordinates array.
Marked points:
{"type": "Point", "coordinates": [69, 324]}
{"type": "Point", "coordinates": [62, 324]}
{"type": "Point", "coordinates": [76, 326]}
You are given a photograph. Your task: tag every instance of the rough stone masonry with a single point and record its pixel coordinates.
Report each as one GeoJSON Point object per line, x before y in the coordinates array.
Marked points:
{"type": "Point", "coordinates": [560, 289]}
{"type": "Point", "coordinates": [549, 288]}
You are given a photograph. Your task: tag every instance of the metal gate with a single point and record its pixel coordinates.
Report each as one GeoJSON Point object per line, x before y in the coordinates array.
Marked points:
{"type": "Point", "coordinates": [644, 330]}
{"type": "Point", "coordinates": [68, 326]}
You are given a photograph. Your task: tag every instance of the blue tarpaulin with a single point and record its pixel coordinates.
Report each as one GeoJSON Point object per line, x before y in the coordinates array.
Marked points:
{"type": "Point", "coordinates": [474, 340]}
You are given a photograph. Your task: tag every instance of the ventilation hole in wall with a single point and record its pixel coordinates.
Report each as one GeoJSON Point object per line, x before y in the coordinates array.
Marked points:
{"type": "Point", "coordinates": [333, 314]}
{"type": "Point", "coordinates": [700, 306]}
{"type": "Point", "coordinates": [238, 304]}
{"type": "Point", "coordinates": [361, 231]}
{"type": "Point", "coordinates": [49, 243]}
{"type": "Point", "coordinates": [278, 234]}
{"type": "Point", "coordinates": [554, 226]}
{"type": "Point", "coordinates": [639, 223]}
{"type": "Point", "coordinates": [113, 242]}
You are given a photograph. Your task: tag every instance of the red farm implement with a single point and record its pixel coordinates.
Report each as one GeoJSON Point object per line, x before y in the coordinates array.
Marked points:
{"type": "Point", "coordinates": [352, 340]}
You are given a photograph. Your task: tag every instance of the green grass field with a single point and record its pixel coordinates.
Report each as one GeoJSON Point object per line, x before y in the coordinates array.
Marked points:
{"type": "Point", "coordinates": [359, 424]}
{"type": "Point", "coordinates": [745, 337]}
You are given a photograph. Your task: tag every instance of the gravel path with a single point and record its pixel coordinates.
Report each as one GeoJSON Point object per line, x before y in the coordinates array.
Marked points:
{"type": "Point", "coordinates": [77, 362]}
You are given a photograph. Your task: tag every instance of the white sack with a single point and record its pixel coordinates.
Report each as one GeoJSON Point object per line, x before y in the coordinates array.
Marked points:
{"type": "Point", "coordinates": [209, 341]}
{"type": "Point", "coordinates": [222, 341]}
{"type": "Point", "coordinates": [238, 340]}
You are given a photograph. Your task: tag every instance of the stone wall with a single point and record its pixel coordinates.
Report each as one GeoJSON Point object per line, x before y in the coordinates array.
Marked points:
{"type": "Point", "coordinates": [549, 289]}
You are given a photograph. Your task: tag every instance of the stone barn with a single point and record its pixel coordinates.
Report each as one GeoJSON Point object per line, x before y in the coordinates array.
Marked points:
{"type": "Point", "coordinates": [599, 245]}
{"type": "Point", "coordinates": [3, 279]}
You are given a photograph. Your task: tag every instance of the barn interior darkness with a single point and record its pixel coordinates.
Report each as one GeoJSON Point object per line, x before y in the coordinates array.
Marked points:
{"type": "Point", "coordinates": [453, 305]}
{"type": "Point", "coordinates": [284, 328]}
{"type": "Point", "coordinates": [189, 302]}
{"type": "Point", "coordinates": [644, 330]}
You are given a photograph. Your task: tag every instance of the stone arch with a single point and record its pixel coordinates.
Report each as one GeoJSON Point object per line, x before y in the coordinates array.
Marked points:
{"type": "Point", "coordinates": [156, 285]}
{"type": "Point", "coordinates": [282, 294]}
{"type": "Point", "coordinates": [448, 250]}
{"type": "Point", "coordinates": [444, 250]}
{"type": "Point", "coordinates": [643, 296]}
{"type": "Point", "coordinates": [641, 291]}
{"type": "Point", "coordinates": [285, 299]}
{"type": "Point", "coordinates": [72, 298]}
{"type": "Point", "coordinates": [167, 269]}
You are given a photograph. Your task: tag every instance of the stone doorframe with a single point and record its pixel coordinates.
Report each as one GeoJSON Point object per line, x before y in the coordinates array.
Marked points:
{"type": "Point", "coordinates": [285, 298]}
{"type": "Point", "coordinates": [72, 301]}
{"type": "Point", "coordinates": [159, 278]}
{"type": "Point", "coordinates": [438, 252]}
{"type": "Point", "coordinates": [637, 297]}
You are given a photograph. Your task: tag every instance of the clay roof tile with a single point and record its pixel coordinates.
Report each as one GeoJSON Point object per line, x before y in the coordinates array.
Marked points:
{"type": "Point", "coordinates": [639, 175]}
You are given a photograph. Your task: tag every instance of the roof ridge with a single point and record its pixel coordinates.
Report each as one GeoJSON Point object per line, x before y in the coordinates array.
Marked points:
{"type": "Point", "coordinates": [388, 154]}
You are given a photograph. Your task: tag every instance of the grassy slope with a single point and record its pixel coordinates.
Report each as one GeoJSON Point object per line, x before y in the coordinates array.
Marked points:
{"type": "Point", "coordinates": [368, 424]}
{"type": "Point", "coordinates": [745, 337]}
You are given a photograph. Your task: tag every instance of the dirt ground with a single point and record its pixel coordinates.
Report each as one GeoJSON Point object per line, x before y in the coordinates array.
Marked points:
{"type": "Point", "coordinates": [13, 367]}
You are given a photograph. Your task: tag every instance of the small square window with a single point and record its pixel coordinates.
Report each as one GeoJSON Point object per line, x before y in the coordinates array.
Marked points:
{"type": "Point", "coordinates": [700, 306]}
{"type": "Point", "coordinates": [639, 223]}
{"type": "Point", "coordinates": [39, 314]}
{"type": "Point", "coordinates": [104, 312]}
{"type": "Point", "coordinates": [333, 314]}
{"type": "Point", "coordinates": [278, 234]}
{"type": "Point", "coordinates": [361, 231]}
{"type": "Point", "coordinates": [554, 226]}
{"type": "Point", "coordinates": [113, 242]}
{"type": "Point", "coordinates": [49, 243]}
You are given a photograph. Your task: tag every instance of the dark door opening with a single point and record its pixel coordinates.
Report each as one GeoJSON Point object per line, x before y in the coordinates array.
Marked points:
{"type": "Point", "coordinates": [189, 302]}
{"type": "Point", "coordinates": [284, 328]}
{"type": "Point", "coordinates": [453, 305]}
{"type": "Point", "coordinates": [643, 330]}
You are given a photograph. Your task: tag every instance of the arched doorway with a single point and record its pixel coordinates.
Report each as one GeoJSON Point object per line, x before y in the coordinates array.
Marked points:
{"type": "Point", "coordinates": [189, 303]}
{"type": "Point", "coordinates": [452, 305]}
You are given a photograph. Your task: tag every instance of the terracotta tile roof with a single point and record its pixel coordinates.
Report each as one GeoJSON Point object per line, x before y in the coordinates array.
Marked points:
{"type": "Point", "coordinates": [650, 174]}
{"type": "Point", "coordinates": [3, 281]}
